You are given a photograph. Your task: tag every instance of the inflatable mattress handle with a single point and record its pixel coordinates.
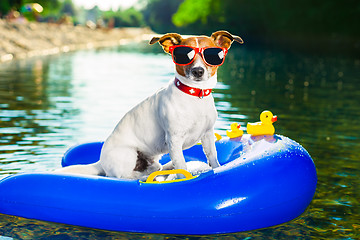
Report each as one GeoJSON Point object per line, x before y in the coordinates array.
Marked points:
{"type": "Point", "coordinates": [152, 176]}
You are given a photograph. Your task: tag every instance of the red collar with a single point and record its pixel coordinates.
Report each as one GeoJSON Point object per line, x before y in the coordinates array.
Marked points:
{"type": "Point", "coordinates": [197, 92]}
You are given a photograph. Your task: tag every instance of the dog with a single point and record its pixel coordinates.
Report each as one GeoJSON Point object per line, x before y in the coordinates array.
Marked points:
{"type": "Point", "coordinates": [174, 118]}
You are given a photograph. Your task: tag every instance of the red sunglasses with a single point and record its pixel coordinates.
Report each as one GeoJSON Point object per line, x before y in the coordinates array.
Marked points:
{"type": "Point", "coordinates": [184, 55]}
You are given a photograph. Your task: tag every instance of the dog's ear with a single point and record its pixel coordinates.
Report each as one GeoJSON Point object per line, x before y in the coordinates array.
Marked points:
{"type": "Point", "coordinates": [169, 39]}
{"type": "Point", "coordinates": [225, 39]}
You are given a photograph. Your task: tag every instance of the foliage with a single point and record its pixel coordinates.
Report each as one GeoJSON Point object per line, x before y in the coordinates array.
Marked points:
{"type": "Point", "coordinates": [7, 5]}
{"type": "Point", "coordinates": [158, 14]}
{"type": "Point", "coordinates": [304, 24]}
{"type": "Point", "coordinates": [257, 21]}
{"type": "Point", "coordinates": [68, 8]}
{"type": "Point", "coordinates": [273, 17]}
{"type": "Point", "coordinates": [125, 18]}
{"type": "Point", "coordinates": [48, 5]}
{"type": "Point", "coordinates": [4, 7]}
{"type": "Point", "coordinates": [191, 11]}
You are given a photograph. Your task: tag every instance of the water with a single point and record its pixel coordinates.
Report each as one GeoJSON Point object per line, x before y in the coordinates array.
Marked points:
{"type": "Point", "coordinates": [48, 104]}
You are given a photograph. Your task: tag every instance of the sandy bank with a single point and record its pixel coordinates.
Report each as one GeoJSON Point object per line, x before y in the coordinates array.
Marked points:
{"type": "Point", "coordinates": [21, 40]}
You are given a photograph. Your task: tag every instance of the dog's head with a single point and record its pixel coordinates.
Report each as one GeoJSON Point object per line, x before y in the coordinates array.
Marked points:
{"type": "Point", "coordinates": [200, 62]}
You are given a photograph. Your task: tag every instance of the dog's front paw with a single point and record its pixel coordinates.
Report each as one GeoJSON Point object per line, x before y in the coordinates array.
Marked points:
{"type": "Point", "coordinates": [172, 177]}
{"type": "Point", "coordinates": [197, 167]}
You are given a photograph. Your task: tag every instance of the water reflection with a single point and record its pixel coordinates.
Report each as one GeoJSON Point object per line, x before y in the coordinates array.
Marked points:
{"type": "Point", "coordinates": [32, 123]}
{"type": "Point", "coordinates": [317, 101]}
{"type": "Point", "coordinates": [48, 104]}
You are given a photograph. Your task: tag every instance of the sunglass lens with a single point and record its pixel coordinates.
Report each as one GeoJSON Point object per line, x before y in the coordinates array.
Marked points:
{"type": "Point", "coordinates": [214, 56]}
{"type": "Point", "coordinates": [183, 55]}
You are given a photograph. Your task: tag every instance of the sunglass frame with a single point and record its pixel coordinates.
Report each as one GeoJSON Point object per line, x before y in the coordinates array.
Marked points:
{"type": "Point", "coordinates": [197, 50]}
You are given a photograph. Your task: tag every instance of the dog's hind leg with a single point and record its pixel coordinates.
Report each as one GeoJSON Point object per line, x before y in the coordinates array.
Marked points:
{"type": "Point", "coordinates": [128, 162]}
{"type": "Point", "coordinates": [89, 169]}
{"type": "Point", "coordinates": [118, 162]}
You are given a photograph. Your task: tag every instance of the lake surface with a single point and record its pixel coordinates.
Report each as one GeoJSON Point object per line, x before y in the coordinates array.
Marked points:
{"type": "Point", "coordinates": [48, 104]}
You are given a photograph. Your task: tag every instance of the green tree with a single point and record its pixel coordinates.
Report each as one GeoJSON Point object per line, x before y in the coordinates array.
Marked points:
{"type": "Point", "coordinates": [158, 14]}
{"type": "Point", "coordinates": [68, 8]}
{"type": "Point", "coordinates": [130, 17]}
{"type": "Point", "coordinates": [262, 20]}
{"type": "Point", "coordinates": [48, 5]}
{"type": "Point", "coordinates": [192, 11]}
{"type": "Point", "coordinates": [7, 5]}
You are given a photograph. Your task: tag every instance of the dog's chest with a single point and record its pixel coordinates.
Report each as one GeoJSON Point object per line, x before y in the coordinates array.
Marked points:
{"type": "Point", "coordinates": [199, 119]}
{"type": "Point", "coordinates": [198, 115]}
{"type": "Point", "coordinates": [190, 117]}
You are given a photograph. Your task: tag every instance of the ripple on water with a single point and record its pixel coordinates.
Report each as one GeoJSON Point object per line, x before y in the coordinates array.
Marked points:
{"type": "Point", "coordinates": [49, 104]}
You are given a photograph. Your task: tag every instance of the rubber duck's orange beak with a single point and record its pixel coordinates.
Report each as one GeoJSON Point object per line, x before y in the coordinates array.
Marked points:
{"type": "Point", "coordinates": [274, 119]}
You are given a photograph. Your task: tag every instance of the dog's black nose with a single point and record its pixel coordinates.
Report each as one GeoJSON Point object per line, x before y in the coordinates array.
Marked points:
{"type": "Point", "coordinates": [198, 72]}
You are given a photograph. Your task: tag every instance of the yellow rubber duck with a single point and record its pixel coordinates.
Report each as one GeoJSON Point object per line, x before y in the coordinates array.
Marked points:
{"type": "Point", "coordinates": [264, 127]}
{"type": "Point", "coordinates": [235, 131]}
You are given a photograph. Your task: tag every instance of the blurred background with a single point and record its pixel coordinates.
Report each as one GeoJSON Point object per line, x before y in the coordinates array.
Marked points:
{"type": "Point", "coordinates": [322, 25]}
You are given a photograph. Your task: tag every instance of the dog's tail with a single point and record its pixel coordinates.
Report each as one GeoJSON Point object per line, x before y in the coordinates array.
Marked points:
{"type": "Point", "coordinates": [88, 169]}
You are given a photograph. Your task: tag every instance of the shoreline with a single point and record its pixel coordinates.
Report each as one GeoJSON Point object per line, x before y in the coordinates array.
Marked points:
{"type": "Point", "coordinates": [23, 40]}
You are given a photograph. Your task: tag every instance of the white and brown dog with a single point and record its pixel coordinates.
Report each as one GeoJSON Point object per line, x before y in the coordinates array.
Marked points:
{"type": "Point", "coordinates": [174, 118]}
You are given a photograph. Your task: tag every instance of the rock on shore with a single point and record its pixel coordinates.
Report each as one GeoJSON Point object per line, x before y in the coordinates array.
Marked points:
{"type": "Point", "coordinates": [21, 40]}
